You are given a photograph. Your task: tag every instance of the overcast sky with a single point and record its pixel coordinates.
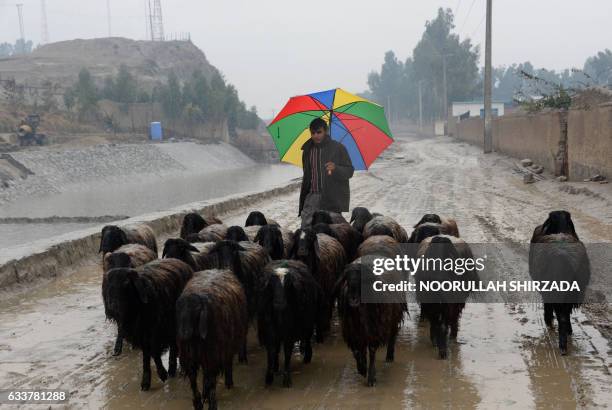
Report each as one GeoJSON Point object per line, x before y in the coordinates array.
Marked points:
{"type": "Point", "coordinates": [273, 49]}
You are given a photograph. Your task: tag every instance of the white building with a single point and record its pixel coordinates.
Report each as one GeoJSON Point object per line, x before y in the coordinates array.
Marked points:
{"type": "Point", "coordinates": [476, 108]}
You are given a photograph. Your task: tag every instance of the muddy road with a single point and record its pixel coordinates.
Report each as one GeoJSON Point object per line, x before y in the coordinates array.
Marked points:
{"type": "Point", "coordinates": [55, 336]}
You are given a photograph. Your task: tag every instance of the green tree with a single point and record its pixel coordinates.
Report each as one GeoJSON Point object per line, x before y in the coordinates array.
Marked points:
{"type": "Point", "coordinates": [86, 94]}
{"type": "Point", "coordinates": [599, 67]}
{"type": "Point", "coordinates": [69, 98]}
{"type": "Point", "coordinates": [171, 97]}
{"type": "Point", "coordinates": [125, 86]}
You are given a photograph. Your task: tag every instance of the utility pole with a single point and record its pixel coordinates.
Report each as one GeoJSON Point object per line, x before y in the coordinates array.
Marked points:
{"type": "Point", "coordinates": [44, 31]}
{"type": "Point", "coordinates": [21, 30]}
{"type": "Point", "coordinates": [488, 85]}
{"type": "Point", "coordinates": [108, 16]}
{"type": "Point", "coordinates": [444, 86]}
{"type": "Point", "coordinates": [421, 106]}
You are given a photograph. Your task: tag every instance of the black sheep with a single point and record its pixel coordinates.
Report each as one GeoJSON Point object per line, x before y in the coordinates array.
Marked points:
{"type": "Point", "coordinates": [194, 223]}
{"type": "Point", "coordinates": [142, 302]}
{"type": "Point", "coordinates": [113, 237]}
{"type": "Point", "coordinates": [212, 321]}
{"type": "Point", "coordinates": [288, 311]}
{"type": "Point", "coordinates": [447, 226]}
{"type": "Point", "coordinates": [443, 309]}
{"type": "Point", "coordinates": [127, 256]}
{"type": "Point", "coordinates": [556, 254]}
{"type": "Point", "coordinates": [188, 252]}
{"type": "Point", "coordinates": [236, 233]}
{"type": "Point", "coordinates": [325, 259]}
{"type": "Point", "coordinates": [326, 217]}
{"type": "Point", "coordinates": [271, 238]}
{"type": "Point", "coordinates": [366, 326]}
{"type": "Point", "coordinates": [256, 218]}
{"type": "Point", "coordinates": [247, 261]}
{"type": "Point", "coordinates": [360, 216]}
{"type": "Point", "coordinates": [349, 237]}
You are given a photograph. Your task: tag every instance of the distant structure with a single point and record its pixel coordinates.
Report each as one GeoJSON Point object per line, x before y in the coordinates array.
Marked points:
{"type": "Point", "coordinates": [156, 24]}
{"type": "Point", "coordinates": [44, 30]}
{"type": "Point", "coordinates": [21, 29]}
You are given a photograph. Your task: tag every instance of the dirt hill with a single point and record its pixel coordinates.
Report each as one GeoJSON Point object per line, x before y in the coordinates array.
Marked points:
{"type": "Point", "coordinates": [149, 61]}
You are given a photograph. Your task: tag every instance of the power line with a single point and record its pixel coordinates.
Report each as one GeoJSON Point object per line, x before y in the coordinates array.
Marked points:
{"type": "Point", "coordinates": [467, 16]}
{"type": "Point", "coordinates": [479, 24]}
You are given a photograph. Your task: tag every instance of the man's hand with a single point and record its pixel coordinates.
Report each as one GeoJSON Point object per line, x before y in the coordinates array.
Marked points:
{"type": "Point", "coordinates": [330, 167]}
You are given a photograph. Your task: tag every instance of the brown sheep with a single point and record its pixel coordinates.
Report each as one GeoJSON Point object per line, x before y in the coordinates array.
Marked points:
{"type": "Point", "coordinates": [113, 237]}
{"type": "Point", "coordinates": [212, 321]}
{"type": "Point", "coordinates": [384, 225]}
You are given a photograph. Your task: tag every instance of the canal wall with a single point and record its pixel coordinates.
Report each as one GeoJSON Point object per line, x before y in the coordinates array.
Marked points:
{"type": "Point", "coordinates": [52, 257]}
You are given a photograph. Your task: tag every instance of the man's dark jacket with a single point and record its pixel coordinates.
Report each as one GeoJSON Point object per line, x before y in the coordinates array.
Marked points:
{"type": "Point", "coordinates": [335, 194]}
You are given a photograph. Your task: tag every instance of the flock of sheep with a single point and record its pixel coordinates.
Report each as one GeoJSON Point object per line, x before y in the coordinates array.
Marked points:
{"type": "Point", "coordinates": [199, 300]}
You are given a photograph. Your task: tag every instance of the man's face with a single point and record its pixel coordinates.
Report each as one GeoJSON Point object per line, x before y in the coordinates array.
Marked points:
{"type": "Point", "coordinates": [317, 135]}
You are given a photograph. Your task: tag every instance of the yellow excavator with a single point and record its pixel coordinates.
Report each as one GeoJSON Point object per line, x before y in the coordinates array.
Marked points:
{"type": "Point", "coordinates": [27, 132]}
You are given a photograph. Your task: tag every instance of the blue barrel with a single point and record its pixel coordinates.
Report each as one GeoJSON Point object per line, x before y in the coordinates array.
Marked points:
{"type": "Point", "coordinates": [156, 131]}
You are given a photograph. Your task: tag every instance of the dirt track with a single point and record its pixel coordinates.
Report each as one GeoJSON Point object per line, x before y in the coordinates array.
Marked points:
{"type": "Point", "coordinates": [55, 336]}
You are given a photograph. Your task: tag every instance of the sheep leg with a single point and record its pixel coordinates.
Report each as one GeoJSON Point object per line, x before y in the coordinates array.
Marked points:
{"type": "Point", "coordinates": [360, 359]}
{"type": "Point", "coordinates": [307, 348]}
{"type": "Point", "coordinates": [193, 381]}
{"type": "Point", "coordinates": [548, 314]}
{"type": "Point", "coordinates": [272, 362]}
{"type": "Point", "coordinates": [372, 367]}
{"type": "Point", "coordinates": [145, 384]}
{"type": "Point", "coordinates": [161, 370]}
{"type": "Point", "coordinates": [242, 354]}
{"type": "Point", "coordinates": [391, 345]}
{"type": "Point", "coordinates": [172, 360]}
{"type": "Point", "coordinates": [118, 344]}
{"type": "Point", "coordinates": [229, 374]}
{"type": "Point", "coordinates": [288, 350]}
{"type": "Point", "coordinates": [563, 318]}
{"type": "Point", "coordinates": [210, 391]}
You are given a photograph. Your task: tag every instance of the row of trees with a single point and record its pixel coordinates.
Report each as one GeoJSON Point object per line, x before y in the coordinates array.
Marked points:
{"type": "Point", "coordinates": [20, 47]}
{"type": "Point", "coordinates": [197, 100]}
{"type": "Point", "coordinates": [396, 85]}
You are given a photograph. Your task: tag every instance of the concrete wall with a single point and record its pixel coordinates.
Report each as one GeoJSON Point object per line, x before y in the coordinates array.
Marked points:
{"type": "Point", "coordinates": [529, 136]}
{"type": "Point", "coordinates": [459, 108]}
{"type": "Point", "coordinates": [589, 139]}
{"type": "Point", "coordinates": [51, 257]}
{"type": "Point", "coordinates": [590, 142]}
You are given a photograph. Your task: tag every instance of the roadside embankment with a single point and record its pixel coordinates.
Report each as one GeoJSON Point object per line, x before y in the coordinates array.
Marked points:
{"type": "Point", "coordinates": [50, 257]}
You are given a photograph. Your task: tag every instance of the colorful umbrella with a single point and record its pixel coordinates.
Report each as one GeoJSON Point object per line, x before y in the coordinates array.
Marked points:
{"type": "Point", "coordinates": [360, 125]}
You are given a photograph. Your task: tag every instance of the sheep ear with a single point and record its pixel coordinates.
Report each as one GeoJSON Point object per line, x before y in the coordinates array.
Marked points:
{"type": "Point", "coordinates": [192, 248]}
{"type": "Point", "coordinates": [317, 248]}
{"type": "Point", "coordinates": [257, 237]}
{"type": "Point", "coordinates": [203, 322]}
{"type": "Point", "coordinates": [141, 286]}
{"type": "Point", "coordinates": [352, 217]}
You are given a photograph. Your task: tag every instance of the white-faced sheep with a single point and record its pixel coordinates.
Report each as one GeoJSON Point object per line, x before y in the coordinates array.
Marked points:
{"type": "Point", "coordinates": [288, 312]}
{"type": "Point", "coordinates": [212, 321]}
{"type": "Point", "coordinates": [113, 237]}
{"type": "Point", "coordinates": [212, 233]}
{"type": "Point", "coordinates": [194, 223]}
{"type": "Point", "coordinates": [447, 226]}
{"type": "Point", "coordinates": [443, 309]}
{"type": "Point", "coordinates": [127, 256]}
{"type": "Point", "coordinates": [557, 254]}
{"type": "Point", "coordinates": [384, 225]}
{"type": "Point", "coordinates": [325, 259]}
{"type": "Point", "coordinates": [142, 302]}
{"type": "Point", "coordinates": [366, 326]}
